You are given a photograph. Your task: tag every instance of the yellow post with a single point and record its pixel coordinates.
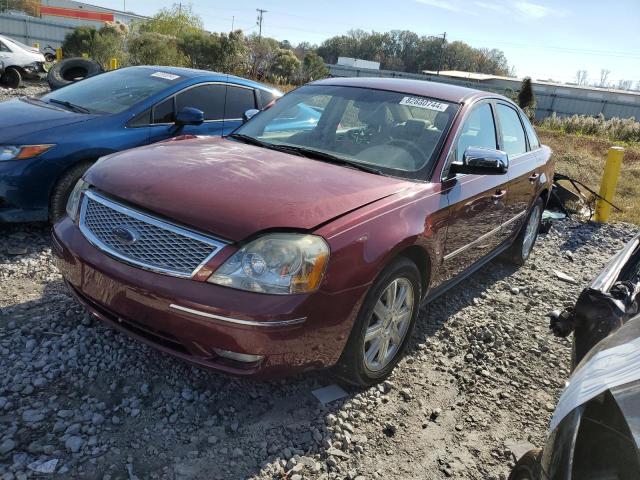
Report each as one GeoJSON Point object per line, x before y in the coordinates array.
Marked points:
{"type": "Point", "coordinates": [36, 45]}
{"type": "Point", "coordinates": [85, 55]}
{"type": "Point", "coordinates": [58, 54]}
{"type": "Point", "coordinates": [609, 182]}
{"type": "Point", "coordinates": [113, 64]}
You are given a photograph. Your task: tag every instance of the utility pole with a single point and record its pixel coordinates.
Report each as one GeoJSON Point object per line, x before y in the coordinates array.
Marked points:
{"type": "Point", "coordinates": [233, 20]}
{"type": "Point", "coordinates": [440, 60]}
{"type": "Point", "coordinates": [261, 12]}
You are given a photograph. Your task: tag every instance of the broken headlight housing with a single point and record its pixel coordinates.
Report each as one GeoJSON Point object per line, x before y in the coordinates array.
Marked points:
{"type": "Point", "coordinates": [277, 263]}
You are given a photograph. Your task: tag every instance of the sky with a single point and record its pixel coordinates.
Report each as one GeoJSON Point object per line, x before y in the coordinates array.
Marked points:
{"type": "Point", "coordinates": [541, 38]}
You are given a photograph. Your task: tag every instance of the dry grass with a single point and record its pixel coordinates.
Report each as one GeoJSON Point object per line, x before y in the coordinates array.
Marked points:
{"type": "Point", "coordinates": [582, 157]}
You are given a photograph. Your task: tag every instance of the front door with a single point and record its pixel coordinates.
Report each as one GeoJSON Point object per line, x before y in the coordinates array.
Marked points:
{"type": "Point", "coordinates": [524, 165]}
{"type": "Point", "coordinates": [222, 104]}
{"type": "Point", "coordinates": [476, 202]}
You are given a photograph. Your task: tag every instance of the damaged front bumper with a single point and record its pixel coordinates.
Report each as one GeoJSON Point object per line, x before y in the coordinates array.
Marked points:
{"type": "Point", "coordinates": [605, 305]}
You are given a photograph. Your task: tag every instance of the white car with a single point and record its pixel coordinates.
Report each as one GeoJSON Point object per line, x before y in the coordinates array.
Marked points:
{"type": "Point", "coordinates": [19, 60]}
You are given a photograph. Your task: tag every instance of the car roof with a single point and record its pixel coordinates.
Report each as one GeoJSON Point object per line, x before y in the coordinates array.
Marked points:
{"type": "Point", "coordinates": [441, 91]}
{"type": "Point", "coordinates": [211, 76]}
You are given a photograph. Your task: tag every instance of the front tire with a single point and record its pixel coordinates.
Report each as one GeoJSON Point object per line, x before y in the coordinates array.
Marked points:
{"type": "Point", "coordinates": [384, 325]}
{"type": "Point", "coordinates": [526, 239]}
{"type": "Point", "coordinates": [528, 467]}
{"type": "Point", "coordinates": [11, 78]}
{"type": "Point", "coordinates": [62, 190]}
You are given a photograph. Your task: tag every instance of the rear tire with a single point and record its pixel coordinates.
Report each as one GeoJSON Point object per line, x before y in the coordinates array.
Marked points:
{"type": "Point", "coordinates": [11, 78]}
{"type": "Point", "coordinates": [386, 319]}
{"type": "Point", "coordinates": [528, 467]}
{"type": "Point", "coordinates": [522, 246]}
{"type": "Point", "coordinates": [62, 190]}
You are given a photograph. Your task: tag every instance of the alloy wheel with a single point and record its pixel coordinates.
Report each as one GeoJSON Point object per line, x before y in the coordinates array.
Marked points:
{"type": "Point", "coordinates": [388, 324]}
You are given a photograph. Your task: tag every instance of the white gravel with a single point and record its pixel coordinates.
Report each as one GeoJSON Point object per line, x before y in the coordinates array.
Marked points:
{"type": "Point", "coordinates": [480, 380]}
{"type": "Point", "coordinates": [29, 88]}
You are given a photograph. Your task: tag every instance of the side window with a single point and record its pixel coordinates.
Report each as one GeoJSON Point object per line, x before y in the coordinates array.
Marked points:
{"type": "Point", "coordinates": [266, 97]}
{"type": "Point", "coordinates": [141, 120]}
{"type": "Point", "coordinates": [163, 112]}
{"type": "Point", "coordinates": [531, 133]}
{"type": "Point", "coordinates": [239, 100]}
{"type": "Point", "coordinates": [513, 139]}
{"type": "Point", "coordinates": [208, 98]}
{"type": "Point", "coordinates": [479, 130]}
{"type": "Point", "coordinates": [4, 48]}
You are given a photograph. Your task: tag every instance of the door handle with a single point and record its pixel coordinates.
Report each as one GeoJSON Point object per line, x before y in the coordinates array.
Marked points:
{"type": "Point", "coordinates": [498, 195]}
{"type": "Point", "coordinates": [534, 177]}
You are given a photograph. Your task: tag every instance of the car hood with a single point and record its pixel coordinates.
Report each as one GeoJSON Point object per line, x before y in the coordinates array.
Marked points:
{"type": "Point", "coordinates": [234, 190]}
{"type": "Point", "coordinates": [22, 117]}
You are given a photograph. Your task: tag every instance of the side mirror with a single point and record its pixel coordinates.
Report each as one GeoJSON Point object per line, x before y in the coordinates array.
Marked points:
{"type": "Point", "coordinates": [482, 161]}
{"type": "Point", "coordinates": [249, 114]}
{"type": "Point", "coordinates": [189, 116]}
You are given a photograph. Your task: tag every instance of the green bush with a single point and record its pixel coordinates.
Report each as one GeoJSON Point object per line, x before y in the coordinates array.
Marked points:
{"type": "Point", "coordinates": [156, 49]}
{"type": "Point", "coordinates": [621, 129]}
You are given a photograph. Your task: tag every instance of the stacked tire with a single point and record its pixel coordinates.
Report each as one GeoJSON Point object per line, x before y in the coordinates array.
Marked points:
{"type": "Point", "coordinates": [72, 70]}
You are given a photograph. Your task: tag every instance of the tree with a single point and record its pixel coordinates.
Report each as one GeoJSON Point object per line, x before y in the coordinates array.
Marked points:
{"type": "Point", "coordinates": [176, 20]}
{"type": "Point", "coordinates": [100, 45]}
{"type": "Point", "coordinates": [625, 84]}
{"type": "Point", "coordinates": [152, 48]}
{"type": "Point", "coordinates": [526, 97]}
{"type": "Point", "coordinates": [581, 77]}
{"type": "Point", "coordinates": [604, 77]}
{"type": "Point", "coordinates": [212, 51]}
{"type": "Point", "coordinates": [285, 65]}
{"type": "Point", "coordinates": [313, 67]}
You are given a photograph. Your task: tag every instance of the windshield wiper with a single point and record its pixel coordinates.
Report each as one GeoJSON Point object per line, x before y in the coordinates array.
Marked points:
{"type": "Point", "coordinates": [70, 106]}
{"type": "Point", "coordinates": [305, 152]}
{"type": "Point", "coordinates": [324, 156]}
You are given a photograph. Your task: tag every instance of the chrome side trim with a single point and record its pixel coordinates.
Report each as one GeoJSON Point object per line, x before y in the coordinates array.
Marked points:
{"type": "Point", "coordinates": [485, 236]}
{"type": "Point", "coordinates": [237, 321]}
{"type": "Point", "coordinates": [216, 244]}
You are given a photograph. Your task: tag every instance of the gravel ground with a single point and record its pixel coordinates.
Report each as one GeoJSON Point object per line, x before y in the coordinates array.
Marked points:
{"type": "Point", "coordinates": [29, 88]}
{"type": "Point", "coordinates": [479, 383]}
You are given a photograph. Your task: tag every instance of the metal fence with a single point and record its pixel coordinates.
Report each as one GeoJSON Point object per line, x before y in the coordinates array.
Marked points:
{"type": "Point", "coordinates": [562, 101]}
{"type": "Point", "coordinates": [30, 30]}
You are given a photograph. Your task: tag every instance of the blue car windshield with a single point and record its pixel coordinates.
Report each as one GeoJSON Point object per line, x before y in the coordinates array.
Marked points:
{"type": "Point", "coordinates": [112, 92]}
{"type": "Point", "coordinates": [393, 132]}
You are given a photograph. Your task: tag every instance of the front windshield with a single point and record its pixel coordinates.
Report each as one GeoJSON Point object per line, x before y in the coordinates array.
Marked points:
{"type": "Point", "coordinates": [113, 92]}
{"type": "Point", "coordinates": [396, 133]}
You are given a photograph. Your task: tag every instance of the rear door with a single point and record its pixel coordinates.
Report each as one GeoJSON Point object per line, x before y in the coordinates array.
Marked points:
{"type": "Point", "coordinates": [476, 202]}
{"type": "Point", "coordinates": [524, 165]}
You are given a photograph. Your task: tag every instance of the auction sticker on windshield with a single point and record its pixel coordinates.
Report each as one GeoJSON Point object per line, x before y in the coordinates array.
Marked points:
{"type": "Point", "coordinates": [424, 103]}
{"type": "Point", "coordinates": [166, 76]}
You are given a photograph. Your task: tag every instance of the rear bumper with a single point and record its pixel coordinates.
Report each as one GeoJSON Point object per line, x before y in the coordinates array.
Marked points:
{"type": "Point", "coordinates": [190, 319]}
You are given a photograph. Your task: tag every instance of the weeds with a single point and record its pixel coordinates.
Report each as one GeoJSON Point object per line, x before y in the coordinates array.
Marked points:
{"type": "Point", "coordinates": [619, 129]}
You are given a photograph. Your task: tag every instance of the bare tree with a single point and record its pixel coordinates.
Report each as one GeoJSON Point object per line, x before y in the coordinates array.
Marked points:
{"type": "Point", "coordinates": [638, 85]}
{"type": "Point", "coordinates": [625, 84]}
{"type": "Point", "coordinates": [581, 77]}
{"type": "Point", "coordinates": [604, 77]}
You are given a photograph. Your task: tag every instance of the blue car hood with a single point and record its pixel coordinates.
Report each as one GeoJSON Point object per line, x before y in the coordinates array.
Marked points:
{"type": "Point", "coordinates": [20, 118]}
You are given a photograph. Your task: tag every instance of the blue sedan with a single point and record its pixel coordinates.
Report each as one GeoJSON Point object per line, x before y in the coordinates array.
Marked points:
{"type": "Point", "coordinates": [47, 143]}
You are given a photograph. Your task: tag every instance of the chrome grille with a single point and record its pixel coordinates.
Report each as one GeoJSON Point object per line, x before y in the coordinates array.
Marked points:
{"type": "Point", "coordinates": [143, 240]}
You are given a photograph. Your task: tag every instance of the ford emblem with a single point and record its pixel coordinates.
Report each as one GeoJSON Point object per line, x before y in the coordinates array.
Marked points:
{"type": "Point", "coordinates": [126, 235]}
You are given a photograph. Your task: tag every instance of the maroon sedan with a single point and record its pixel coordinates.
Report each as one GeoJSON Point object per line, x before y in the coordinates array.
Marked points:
{"type": "Point", "coordinates": [310, 237]}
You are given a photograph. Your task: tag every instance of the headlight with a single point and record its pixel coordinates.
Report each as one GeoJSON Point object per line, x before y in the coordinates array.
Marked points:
{"type": "Point", "coordinates": [22, 152]}
{"type": "Point", "coordinates": [73, 204]}
{"type": "Point", "coordinates": [279, 263]}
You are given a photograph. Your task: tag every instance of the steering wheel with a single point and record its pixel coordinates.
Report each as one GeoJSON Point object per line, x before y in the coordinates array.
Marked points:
{"type": "Point", "coordinates": [412, 148]}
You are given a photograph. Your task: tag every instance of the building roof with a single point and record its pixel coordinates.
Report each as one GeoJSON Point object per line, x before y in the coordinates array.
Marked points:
{"type": "Point", "coordinates": [442, 91]}
{"type": "Point", "coordinates": [481, 77]}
